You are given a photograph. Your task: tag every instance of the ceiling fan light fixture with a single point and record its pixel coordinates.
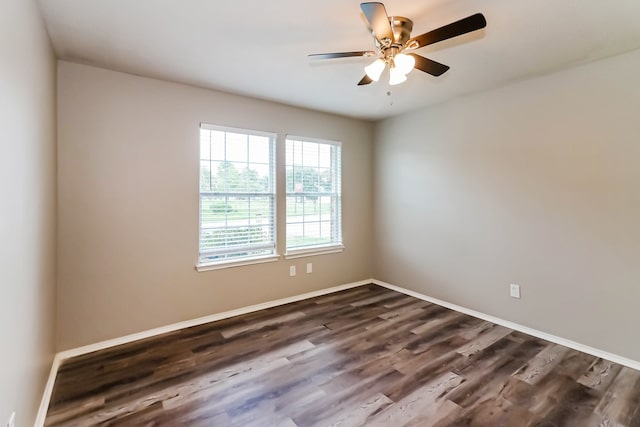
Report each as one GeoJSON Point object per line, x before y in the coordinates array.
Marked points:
{"type": "Point", "coordinates": [375, 69]}
{"type": "Point", "coordinates": [396, 76]}
{"type": "Point", "coordinates": [392, 36]}
{"type": "Point", "coordinates": [404, 63]}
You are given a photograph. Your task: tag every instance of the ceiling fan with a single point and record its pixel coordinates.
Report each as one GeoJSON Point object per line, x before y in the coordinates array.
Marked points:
{"type": "Point", "coordinates": [392, 37]}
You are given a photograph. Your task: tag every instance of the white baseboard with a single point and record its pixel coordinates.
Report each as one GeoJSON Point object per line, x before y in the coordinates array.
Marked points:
{"type": "Point", "coordinates": [61, 356]}
{"type": "Point", "coordinates": [48, 389]}
{"type": "Point", "coordinates": [634, 364]}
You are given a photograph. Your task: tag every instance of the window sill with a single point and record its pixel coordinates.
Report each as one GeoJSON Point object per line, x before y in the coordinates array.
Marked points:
{"type": "Point", "coordinates": [320, 250]}
{"type": "Point", "coordinates": [238, 263]}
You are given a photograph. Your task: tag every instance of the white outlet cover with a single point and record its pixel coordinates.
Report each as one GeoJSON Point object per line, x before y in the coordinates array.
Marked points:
{"type": "Point", "coordinates": [292, 270]}
{"type": "Point", "coordinates": [309, 267]}
{"type": "Point", "coordinates": [515, 291]}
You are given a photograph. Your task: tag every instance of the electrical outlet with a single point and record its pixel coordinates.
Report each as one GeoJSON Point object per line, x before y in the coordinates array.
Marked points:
{"type": "Point", "coordinates": [12, 420]}
{"type": "Point", "coordinates": [515, 291]}
{"type": "Point", "coordinates": [309, 267]}
{"type": "Point", "coordinates": [292, 270]}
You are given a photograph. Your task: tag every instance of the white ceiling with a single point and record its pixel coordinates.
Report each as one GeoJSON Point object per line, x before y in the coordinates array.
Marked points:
{"type": "Point", "coordinates": [259, 48]}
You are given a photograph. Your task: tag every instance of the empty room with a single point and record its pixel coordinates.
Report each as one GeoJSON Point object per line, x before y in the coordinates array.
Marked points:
{"type": "Point", "coordinates": [335, 213]}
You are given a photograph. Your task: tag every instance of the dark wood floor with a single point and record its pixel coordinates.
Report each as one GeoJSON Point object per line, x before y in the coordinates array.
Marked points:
{"type": "Point", "coordinates": [365, 356]}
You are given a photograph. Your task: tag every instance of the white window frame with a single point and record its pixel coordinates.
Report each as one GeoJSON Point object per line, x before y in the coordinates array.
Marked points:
{"type": "Point", "coordinates": [336, 245]}
{"type": "Point", "coordinates": [240, 260]}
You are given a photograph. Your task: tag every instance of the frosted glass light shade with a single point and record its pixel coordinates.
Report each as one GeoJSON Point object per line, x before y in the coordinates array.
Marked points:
{"type": "Point", "coordinates": [404, 63]}
{"type": "Point", "coordinates": [396, 76]}
{"type": "Point", "coordinates": [375, 69]}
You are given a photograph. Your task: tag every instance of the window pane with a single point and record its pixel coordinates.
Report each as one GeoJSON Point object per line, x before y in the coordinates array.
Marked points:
{"type": "Point", "coordinates": [236, 147]}
{"type": "Point", "coordinates": [237, 215]}
{"type": "Point", "coordinates": [325, 180]}
{"type": "Point", "coordinates": [296, 158]}
{"type": "Point", "coordinates": [310, 154]}
{"type": "Point", "coordinates": [313, 201]}
{"type": "Point", "coordinates": [217, 145]}
{"type": "Point", "coordinates": [259, 149]}
{"type": "Point", "coordinates": [205, 176]}
{"type": "Point", "coordinates": [263, 171]}
{"type": "Point", "coordinates": [324, 160]}
{"type": "Point", "coordinates": [289, 181]}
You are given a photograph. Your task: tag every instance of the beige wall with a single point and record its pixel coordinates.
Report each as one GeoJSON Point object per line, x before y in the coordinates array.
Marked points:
{"type": "Point", "coordinates": [128, 204]}
{"type": "Point", "coordinates": [537, 183]}
{"type": "Point", "coordinates": [27, 214]}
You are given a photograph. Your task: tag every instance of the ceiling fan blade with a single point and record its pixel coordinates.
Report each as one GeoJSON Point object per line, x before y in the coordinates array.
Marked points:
{"type": "Point", "coordinates": [340, 54]}
{"type": "Point", "coordinates": [365, 81]}
{"type": "Point", "coordinates": [429, 66]}
{"type": "Point", "coordinates": [378, 21]}
{"type": "Point", "coordinates": [463, 26]}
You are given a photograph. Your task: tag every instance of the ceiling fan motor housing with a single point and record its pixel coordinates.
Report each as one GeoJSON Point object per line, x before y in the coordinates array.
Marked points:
{"type": "Point", "coordinates": [401, 28]}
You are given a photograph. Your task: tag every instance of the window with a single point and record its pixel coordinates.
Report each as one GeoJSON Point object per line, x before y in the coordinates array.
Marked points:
{"type": "Point", "coordinates": [314, 223]}
{"type": "Point", "coordinates": [237, 197]}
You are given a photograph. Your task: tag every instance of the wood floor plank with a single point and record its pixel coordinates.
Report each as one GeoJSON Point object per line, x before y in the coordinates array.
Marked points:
{"type": "Point", "coordinates": [376, 300]}
{"type": "Point", "coordinates": [439, 319]}
{"type": "Point", "coordinates": [357, 413]}
{"type": "Point", "coordinates": [343, 399]}
{"type": "Point", "coordinates": [427, 404]}
{"type": "Point", "coordinates": [402, 313]}
{"type": "Point", "coordinates": [363, 356]}
{"type": "Point", "coordinates": [207, 386]}
{"type": "Point", "coordinates": [279, 411]}
{"type": "Point", "coordinates": [76, 409]}
{"type": "Point", "coordinates": [228, 333]}
{"type": "Point", "coordinates": [474, 331]}
{"type": "Point", "coordinates": [621, 400]}
{"type": "Point", "coordinates": [542, 364]}
{"type": "Point", "coordinates": [600, 374]}
{"type": "Point", "coordinates": [484, 340]}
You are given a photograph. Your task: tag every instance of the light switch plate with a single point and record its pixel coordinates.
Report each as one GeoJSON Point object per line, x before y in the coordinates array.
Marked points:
{"type": "Point", "coordinates": [515, 291]}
